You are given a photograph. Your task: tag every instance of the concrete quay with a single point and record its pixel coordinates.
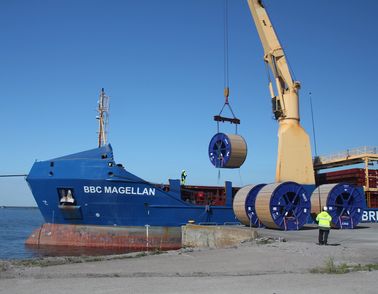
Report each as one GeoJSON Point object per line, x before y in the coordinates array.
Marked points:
{"type": "Point", "coordinates": [273, 266]}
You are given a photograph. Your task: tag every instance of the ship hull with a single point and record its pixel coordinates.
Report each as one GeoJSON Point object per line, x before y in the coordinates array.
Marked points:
{"type": "Point", "coordinates": [106, 237]}
{"type": "Point", "coordinates": [89, 190]}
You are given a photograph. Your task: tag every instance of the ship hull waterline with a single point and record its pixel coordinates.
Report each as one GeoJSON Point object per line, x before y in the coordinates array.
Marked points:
{"type": "Point", "coordinates": [105, 237]}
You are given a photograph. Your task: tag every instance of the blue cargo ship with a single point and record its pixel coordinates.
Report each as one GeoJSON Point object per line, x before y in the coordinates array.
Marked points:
{"type": "Point", "coordinates": [90, 188]}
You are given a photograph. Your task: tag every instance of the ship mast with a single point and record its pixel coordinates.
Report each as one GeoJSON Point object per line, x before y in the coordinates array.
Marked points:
{"type": "Point", "coordinates": [103, 118]}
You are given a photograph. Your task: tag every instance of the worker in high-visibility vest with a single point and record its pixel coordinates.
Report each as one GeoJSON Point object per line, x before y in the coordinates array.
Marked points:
{"type": "Point", "coordinates": [324, 223]}
{"type": "Point", "coordinates": [183, 177]}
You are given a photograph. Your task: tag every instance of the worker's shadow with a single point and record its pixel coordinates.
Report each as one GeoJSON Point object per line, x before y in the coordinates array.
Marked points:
{"type": "Point", "coordinates": [330, 244]}
{"type": "Point", "coordinates": [361, 227]}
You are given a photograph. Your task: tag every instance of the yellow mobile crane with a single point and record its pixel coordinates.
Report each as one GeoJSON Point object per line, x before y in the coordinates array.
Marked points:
{"type": "Point", "coordinates": [294, 160]}
{"type": "Point", "coordinates": [286, 204]}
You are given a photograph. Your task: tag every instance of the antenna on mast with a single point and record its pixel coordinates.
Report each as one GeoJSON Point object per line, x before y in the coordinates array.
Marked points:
{"type": "Point", "coordinates": [103, 118]}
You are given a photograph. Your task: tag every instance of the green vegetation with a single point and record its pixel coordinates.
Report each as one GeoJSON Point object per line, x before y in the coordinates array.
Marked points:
{"type": "Point", "coordinates": [331, 268]}
{"type": "Point", "coordinates": [4, 266]}
{"type": "Point", "coordinates": [264, 240]}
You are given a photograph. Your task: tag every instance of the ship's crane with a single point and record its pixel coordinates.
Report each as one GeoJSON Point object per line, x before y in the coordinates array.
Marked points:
{"type": "Point", "coordinates": [286, 203]}
{"type": "Point", "coordinates": [294, 159]}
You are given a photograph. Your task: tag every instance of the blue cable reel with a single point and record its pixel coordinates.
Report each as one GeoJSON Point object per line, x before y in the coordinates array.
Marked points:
{"type": "Point", "coordinates": [227, 150]}
{"type": "Point", "coordinates": [345, 203]}
{"type": "Point", "coordinates": [244, 205]}
{"type": "Point", "coordinates": [284, 206]}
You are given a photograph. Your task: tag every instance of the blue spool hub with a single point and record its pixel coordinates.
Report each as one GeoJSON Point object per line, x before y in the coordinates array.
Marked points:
{"type": "Point", "coordinates": [227, 150]}
{"type": "Point", "coordinates": [345, 203]}
{"type": "Point", "coordinates": [244, 205]}
{"type": "Point", "coordinates": [284, 206]}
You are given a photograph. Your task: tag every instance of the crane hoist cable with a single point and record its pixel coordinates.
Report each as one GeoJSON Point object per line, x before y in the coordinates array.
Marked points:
{"type": "Point", "coordinates": [227, 150]}
{"type": "Point", "coordinates": [225, 43]}
{"type": "Point", "coordinates": [219, 118]}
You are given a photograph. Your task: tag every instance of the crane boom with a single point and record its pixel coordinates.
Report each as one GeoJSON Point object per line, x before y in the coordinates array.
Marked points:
{"type": "Point", "coordinates": [294, 159]}
{"type": "Point", "coordinates": [285, 103]}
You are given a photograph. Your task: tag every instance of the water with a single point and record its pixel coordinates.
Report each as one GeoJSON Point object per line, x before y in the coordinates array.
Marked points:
{"type": "Point", "coordinates": [16, 224]}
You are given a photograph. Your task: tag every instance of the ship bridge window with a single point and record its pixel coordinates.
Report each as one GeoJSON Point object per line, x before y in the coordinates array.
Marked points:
{"type": "Point", "coordinates": [66, 196]}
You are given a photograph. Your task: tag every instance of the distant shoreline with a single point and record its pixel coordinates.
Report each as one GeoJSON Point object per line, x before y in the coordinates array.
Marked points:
{"type": "Point", "coordinates": [23, 207]}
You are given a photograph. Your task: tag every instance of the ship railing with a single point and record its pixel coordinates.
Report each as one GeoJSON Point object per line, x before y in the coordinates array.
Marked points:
{"type": "Point", "coordinates": [346, 154]}
{"type": "Point", "coordinates": [232, 223]}
{"type": "Point", "coordinates": [207, 223]}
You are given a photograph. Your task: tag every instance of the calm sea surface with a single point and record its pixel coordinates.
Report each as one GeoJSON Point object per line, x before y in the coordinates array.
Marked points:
{"type": "Point", "coordinates": [16, 225]}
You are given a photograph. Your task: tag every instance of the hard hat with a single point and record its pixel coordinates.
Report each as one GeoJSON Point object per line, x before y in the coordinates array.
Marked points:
{"type": "Point", "coordinates": [325, 208]}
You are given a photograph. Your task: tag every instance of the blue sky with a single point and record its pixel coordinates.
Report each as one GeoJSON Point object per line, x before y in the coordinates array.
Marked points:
{"type": "Point", "coordinates": [161, 62]}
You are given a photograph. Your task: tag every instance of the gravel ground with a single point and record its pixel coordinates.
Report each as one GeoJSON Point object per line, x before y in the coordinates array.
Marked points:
{"type": "Point", "coordinates": [266, 265]}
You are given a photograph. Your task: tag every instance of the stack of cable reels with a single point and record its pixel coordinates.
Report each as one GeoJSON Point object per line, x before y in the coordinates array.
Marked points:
{"type": "Point", "coordinates": [244, 205]}
{"type": "Point", "coordinates": [345, 203]}
{"type": "Point", "coordinates": [283, 206]}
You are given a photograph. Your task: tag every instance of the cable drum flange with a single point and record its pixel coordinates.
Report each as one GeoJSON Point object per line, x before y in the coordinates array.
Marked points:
{"type": "Point", "coordinates": [284, 206]}
{"type": "Point", "coordinates": [345, 203]}
{"type": "Point", "coordinates": [244, 205]}
{"type": "Point", "coordinates": [227, 150]}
